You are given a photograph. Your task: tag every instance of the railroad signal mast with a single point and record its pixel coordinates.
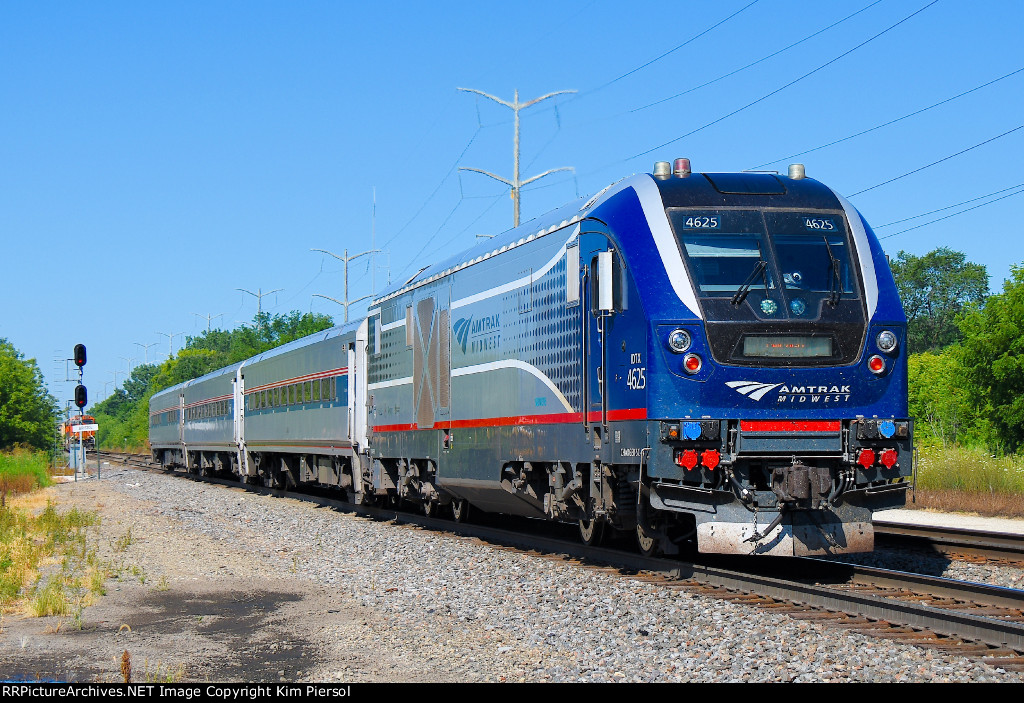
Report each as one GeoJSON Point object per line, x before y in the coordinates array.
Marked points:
{"type": "Point", "coordinates": [81, 400]}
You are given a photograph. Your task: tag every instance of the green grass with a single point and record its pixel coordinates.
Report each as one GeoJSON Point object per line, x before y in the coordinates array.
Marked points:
{"type": "Point", "coordinates": [30, 541]}
{"type": "Point", "coordinates": [969, 470]}
{"type": "Point", "coordinates": [22, 471]}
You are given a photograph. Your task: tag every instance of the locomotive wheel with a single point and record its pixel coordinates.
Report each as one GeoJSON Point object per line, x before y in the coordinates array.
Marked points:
{"type": "Point", "coordinates": [460, 509]}
{"type": "Point", "coordinates": [591, 532]}
{"type": "Point", "coordinates": [647, 544]}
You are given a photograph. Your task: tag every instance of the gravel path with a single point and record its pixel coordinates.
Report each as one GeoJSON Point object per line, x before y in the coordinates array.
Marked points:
{"type": "Point", "coordinates": [255, 588]}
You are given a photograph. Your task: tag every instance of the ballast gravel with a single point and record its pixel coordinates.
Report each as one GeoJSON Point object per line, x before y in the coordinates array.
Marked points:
{"type": "Point", "coordinates": [350, 599]}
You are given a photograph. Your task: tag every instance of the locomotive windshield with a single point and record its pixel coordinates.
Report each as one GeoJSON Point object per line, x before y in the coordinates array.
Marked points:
{"type": "Point", "coordinates": [755, 267]}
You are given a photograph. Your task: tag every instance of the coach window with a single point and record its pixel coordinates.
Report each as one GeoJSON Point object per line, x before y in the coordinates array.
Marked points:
{"type": "Point", "coordinates": [316, 391]}
{"type": "Point", "coordinates": [308, 390]}
{"type": "Point", "coordinates": [334, 388]}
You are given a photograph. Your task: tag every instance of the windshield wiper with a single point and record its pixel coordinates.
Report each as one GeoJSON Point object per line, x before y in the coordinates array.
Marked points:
{"type": "Point", "coordinates": [741, 293]}
{"type": "Point", "coordinates": [835, 284]}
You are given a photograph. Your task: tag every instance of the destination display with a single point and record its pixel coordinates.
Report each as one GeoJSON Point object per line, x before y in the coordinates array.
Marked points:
{"type": "Point", "coordinates": [787, 346]}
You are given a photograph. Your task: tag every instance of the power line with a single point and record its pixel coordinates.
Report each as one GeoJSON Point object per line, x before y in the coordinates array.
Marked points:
{"type": "Point", "coordinates": [780, 89]}
{"type": "Point", "coordinates": [751, 65]}
{"type": "Point", "coordinates": [948, 207]}
{"type": "Point", "coordinates": [671, 51]}
{"type": "Point", "coordinates": [935, 163]}
{"type": "Point", "coordinates": [430, 197]}
{"type": "Point", "coordinates": [890, 122]}
{"type": "Point", "coordinates": [940, 219]}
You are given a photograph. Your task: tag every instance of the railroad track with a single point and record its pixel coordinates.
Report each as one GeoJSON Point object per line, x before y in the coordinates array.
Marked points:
{"type": "Point", "coordinates": [962, 544]}
{"type": "Point", "coordinates": [969, 619]}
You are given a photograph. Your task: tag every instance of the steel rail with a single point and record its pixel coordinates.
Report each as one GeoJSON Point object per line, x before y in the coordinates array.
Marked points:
{"type": "Point", "coordinates": [982, 543]}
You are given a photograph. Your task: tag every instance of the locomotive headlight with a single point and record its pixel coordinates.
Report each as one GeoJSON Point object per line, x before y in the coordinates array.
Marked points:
{"type": "Point", "coordinates": [679, 341]}
{"type": "Point", "coordinates": [886, 341]}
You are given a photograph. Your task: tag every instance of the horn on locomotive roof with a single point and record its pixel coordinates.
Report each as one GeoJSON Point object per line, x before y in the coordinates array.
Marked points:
{"type": "Point", "coordinates": [796, 172]}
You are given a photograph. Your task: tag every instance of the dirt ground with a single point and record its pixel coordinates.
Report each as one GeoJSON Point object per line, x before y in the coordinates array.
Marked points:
{"type": "Point", "coordinates": [189, 609]}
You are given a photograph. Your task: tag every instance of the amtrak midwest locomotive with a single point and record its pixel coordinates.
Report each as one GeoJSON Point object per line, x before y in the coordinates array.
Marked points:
{"type": "Point", "coordinates": [714, 357]}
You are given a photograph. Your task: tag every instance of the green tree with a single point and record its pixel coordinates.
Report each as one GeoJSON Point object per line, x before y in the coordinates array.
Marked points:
{"type": "Point", "coordinates": [941, 400]}
{"type": "Point", "coordinates": [935, 289]}
{"type": "Point", "coordinates": [28, 413]}
{"type": "Point", "coordinates": [993, 355]}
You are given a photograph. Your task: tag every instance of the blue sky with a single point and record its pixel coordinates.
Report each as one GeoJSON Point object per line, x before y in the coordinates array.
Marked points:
{"type": "Point", "coordinates": [156, 157]}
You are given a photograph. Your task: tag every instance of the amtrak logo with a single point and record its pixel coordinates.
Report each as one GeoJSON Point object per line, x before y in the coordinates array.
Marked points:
{"type": "Point", "coordinates": [462, 332]}
{"type": "Point", "coordinates": [483, 334]}
{"type": "Point", "coordinates": [792, 394]}
{"type": "Point", "coordinates": [752, 389]}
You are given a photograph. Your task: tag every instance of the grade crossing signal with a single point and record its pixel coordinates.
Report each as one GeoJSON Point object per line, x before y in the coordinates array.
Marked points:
{"type": "Point", "coordinates": [81, 396]}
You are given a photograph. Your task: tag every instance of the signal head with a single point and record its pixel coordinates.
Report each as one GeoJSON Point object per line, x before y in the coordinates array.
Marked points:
{"type": "Point", "coordinates": [79, 355]}
{"type": "Point", "coordinates": [81, 396]}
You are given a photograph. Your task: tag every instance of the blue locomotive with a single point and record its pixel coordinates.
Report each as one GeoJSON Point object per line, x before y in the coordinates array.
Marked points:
{"type": "Point", "coordinates": [714, 358]}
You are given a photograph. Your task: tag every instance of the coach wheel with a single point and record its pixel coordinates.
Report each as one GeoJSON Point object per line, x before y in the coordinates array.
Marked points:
{"type": "Point", "coordinates": [460, 509]}
{"type": "Point", "coordinates": [647, 544]}
{"type": "Point", "coordinates": [591, 531]}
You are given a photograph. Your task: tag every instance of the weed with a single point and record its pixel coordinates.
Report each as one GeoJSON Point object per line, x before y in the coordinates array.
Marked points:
{"type": "Point", "coordinates": [124, 541]}
{"type": "Point", "coordinates": [51, 600]}
{"type": "Point", "coordinates": [162, 674]}
{"type": "Point", "coordinates": [163, 584]}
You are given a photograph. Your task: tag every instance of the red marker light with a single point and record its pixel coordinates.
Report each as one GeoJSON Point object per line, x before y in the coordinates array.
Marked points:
{"type": "Point", "coordinates": [866, 458]}
{"type": "Point", "coordinates": [889, 457]}
{"type": "Point", "coordinates": [691, 363]}
{"type": "Point", "coordinates": [687, 459]}
{"type": "Point", "coordinates": [710, 458]}
{"type": "Point", "coordinates": [876, 364]}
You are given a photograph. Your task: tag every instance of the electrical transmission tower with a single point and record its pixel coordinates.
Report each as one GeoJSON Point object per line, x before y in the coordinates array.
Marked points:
{"type": "Point", "coordinates": [259, 295]}
{"type": "Point", "coordinates": [346, 258]}
{"type": "Point", "coordinates": [515, 183]}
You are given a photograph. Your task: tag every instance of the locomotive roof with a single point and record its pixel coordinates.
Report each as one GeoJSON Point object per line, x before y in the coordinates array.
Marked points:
{"type": "Point", "coordinates": [538, 227]}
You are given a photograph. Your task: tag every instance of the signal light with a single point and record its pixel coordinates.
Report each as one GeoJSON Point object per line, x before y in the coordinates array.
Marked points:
{"type": "Point", "coordinates": [889, 457]}
{"type": "Point", "coordinates": [81, 396]}
{"type": "Point", "coordinates": [866, 458]}
{"type": "Point", "coordinates": [687, 459]}
{"type": "Point", "coordinates": [79, 355]}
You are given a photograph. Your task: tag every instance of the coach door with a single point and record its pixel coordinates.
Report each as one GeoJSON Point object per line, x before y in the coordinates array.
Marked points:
{"type": "Point", "coordinates": [596, 259]}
